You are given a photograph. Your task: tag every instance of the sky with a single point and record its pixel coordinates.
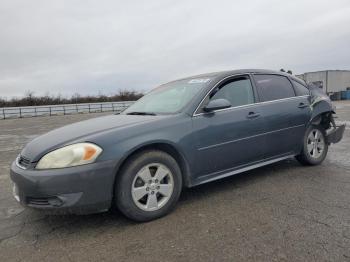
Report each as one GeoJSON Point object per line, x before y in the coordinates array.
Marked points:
{"type": "Point", "coordinates": [90, 47]}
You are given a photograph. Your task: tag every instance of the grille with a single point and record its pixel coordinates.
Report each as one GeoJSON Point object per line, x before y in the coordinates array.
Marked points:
{"type": "Point", "coordinates": [23, 162]}
{"type": "Point", "coordinates": [44, 201]}
{"type": "Point", "coordinates": [38, 201]}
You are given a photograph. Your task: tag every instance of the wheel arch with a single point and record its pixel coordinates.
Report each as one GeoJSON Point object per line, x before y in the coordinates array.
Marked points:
{"type": "Point", "coordinates": [322, 118]}
{"type": "Point", "coordinates": [166, 147]}
{"type": "Point", "coordinates": [321, 113]}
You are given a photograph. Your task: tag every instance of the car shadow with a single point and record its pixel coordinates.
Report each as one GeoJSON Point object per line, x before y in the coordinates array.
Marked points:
{"type": "Point", "coordinates": [103, 221]}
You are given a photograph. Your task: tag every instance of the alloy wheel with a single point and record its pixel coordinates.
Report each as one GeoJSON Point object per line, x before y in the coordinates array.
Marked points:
{"type": "Point", "coordinates": [315, 143]}
{"type": "Point", "coordinates": [152, 187]}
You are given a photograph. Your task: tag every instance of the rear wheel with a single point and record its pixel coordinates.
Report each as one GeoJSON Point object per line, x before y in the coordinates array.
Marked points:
{"type": "Point", "coordinates": [149, 186]}
{"type": "Point", "coordinates": [315, 146]}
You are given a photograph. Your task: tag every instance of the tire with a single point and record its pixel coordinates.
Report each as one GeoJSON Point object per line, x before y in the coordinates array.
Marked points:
{"type": "Point", "coordinates": [137, 188]}
{"type": "Point", "coordinates": [312, 154]}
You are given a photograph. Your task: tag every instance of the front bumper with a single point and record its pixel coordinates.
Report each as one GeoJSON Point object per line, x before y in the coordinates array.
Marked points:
{"type": "Point", "coordinates": [335, 134]}
{"type": "Point", "coordinates": [79, 190]}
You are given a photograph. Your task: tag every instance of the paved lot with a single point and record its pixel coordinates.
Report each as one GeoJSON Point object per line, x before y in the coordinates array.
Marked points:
{"type": "Point", "coordinates": [282, 212]}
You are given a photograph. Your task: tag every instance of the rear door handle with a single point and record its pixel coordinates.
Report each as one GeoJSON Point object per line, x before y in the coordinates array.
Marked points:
{"type": "Point", "coordinates": [252, 115]}
{"type": "Point", "coordinates": [302, 105]}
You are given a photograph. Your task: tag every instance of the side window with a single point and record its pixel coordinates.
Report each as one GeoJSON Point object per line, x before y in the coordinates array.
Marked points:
{"type": "Point", "coordinates": [239, 92]}
{"type": "Point", "coordinates": [300, 89]}
{"type": "Point", "coordinates": [273, 87]}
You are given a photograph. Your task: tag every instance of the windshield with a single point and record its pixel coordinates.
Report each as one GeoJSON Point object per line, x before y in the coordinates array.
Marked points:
{"type": "Point", "coordinates": [168, 98]}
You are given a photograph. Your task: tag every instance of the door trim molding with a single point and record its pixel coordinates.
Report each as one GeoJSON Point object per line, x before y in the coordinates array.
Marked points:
{"type": "Point", "coordinates": [248, 137]}
{"type": "Point", "coordinates": [248, 167]}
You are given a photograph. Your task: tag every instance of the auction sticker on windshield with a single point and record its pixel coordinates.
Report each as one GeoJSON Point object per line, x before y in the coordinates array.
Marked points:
{"type": "Point", "coordinates": [199, 80]}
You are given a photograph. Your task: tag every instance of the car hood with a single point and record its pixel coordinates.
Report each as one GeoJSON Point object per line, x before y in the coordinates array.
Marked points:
{"type": "Point", "coordinates": [76, 132]}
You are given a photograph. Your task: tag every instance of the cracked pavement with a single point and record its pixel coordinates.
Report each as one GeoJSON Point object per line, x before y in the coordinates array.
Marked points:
{"type": "Point", "coordinates": [281, 212]}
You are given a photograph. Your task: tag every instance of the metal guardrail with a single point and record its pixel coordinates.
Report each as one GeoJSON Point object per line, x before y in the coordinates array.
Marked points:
{"type": "Point", "coordinates": [68, 109]}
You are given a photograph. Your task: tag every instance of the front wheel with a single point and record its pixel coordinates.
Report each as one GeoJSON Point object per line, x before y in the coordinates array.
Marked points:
{"type": "Point", "coordinates": [315, 146]}
{"type": "Point", "coordinates": [149, 186]}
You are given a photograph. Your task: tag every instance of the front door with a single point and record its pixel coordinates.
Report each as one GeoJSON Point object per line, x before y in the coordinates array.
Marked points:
{"type": "Point", "coordinates": [229, 138]}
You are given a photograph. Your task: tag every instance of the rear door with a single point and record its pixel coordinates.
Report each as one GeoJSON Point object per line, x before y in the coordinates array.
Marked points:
{"type": "Point", "coordinates": [286, 114]}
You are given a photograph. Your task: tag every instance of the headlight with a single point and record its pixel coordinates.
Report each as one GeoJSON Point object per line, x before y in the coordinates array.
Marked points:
{"type": "Point", "coordinates": [68, 156]}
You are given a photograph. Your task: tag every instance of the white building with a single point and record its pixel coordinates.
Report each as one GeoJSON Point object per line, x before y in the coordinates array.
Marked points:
{"type": "Point", "coordinates": [330, 80]}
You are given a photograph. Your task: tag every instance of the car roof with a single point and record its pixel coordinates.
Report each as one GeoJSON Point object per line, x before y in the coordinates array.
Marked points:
{"type": "Point", "coordinates": [222, 74]}
{"type": "Point", "coordinates": [239, 71]}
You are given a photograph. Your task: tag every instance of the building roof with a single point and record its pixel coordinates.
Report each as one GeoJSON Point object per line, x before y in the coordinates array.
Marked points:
{"type": "Point", "coordinates": [331, 70]}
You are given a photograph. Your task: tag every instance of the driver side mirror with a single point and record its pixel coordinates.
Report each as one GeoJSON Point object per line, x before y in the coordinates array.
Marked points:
{"type": "Point", "coordinates": [217, 104]}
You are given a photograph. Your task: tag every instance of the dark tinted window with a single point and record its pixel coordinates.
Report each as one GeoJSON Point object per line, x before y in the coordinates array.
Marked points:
{"type": "Point", "coordinates": [239, 92]}
{"type": "Point", "coordinates": [272, 87]}
{"type": "Point", "coordinates": [300, 89]}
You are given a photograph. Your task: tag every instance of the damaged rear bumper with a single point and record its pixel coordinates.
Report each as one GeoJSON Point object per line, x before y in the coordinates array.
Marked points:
{"type": "Point", "coordinates": [335, 134]}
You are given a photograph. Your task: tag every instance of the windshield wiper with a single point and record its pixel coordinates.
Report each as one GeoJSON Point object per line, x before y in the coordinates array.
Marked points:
{"type": "Point", "coordinates": [141, 113]}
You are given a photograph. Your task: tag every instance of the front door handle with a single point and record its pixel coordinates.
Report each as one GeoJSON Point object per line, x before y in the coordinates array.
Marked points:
{"type": "Point", "coordinates": [252, 115]}
{"type": "Point", "coordinates": [302, 105]}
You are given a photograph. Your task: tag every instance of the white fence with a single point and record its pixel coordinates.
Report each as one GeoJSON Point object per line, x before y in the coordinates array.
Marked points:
{"type": "Point", "coordinates": [68, 109]}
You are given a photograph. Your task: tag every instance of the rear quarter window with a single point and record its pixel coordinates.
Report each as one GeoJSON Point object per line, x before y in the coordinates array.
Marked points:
{"type": "Point", "coordinates": [273, 87]}
{"type": "Point", "coordinates": [300, 89]}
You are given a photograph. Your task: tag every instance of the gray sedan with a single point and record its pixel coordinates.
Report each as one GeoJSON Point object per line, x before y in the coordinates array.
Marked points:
{"type": "Point", "coordinates": [181, 134]}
